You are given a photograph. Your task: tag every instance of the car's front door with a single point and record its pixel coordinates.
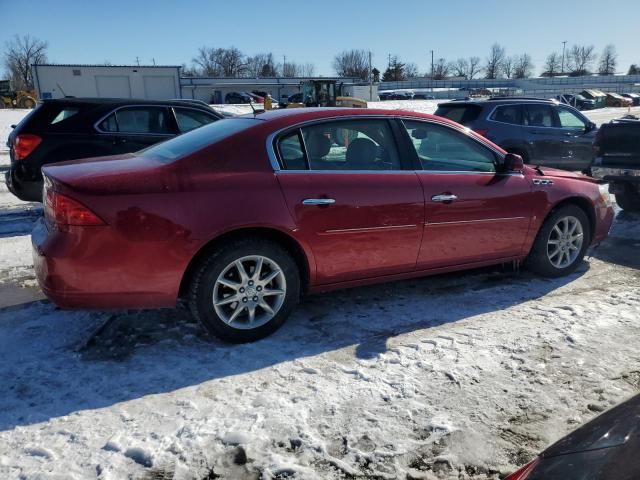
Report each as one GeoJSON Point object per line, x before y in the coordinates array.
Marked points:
{"type": "Point", "coordinates": [129, 129]}
{"type": "Point", "coordinates": [577, 138]}
{"type": "Point", "coordinates": [354, 202]}
{"type": "Point", "coordinates": [472, 213]}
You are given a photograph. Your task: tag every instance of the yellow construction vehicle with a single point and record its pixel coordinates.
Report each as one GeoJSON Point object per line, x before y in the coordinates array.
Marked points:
{"type": "Point", "coordinates": [325, 93]}
{"type": "Point", "coordinates": [10, 98]}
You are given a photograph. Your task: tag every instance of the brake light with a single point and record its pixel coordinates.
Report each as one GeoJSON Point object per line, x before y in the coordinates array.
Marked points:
{"type": "Point", "coordinates": [524, 472]}
{"type": "Point", "coordinates": [24, 145]}
{"type": "Point", "coordinates": [597, 141]}
{"type": "Point", "coordinates": [63, 210]}
{"type": "Point", "coordinates": [481, 131]}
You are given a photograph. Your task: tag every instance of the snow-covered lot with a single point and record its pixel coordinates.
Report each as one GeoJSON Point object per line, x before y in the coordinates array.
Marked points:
{"type": "Point", "coordinates": [457, 376]}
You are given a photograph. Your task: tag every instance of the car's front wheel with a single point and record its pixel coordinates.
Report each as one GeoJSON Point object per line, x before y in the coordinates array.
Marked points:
{"type": "Point", "coordinates": [561, 243]}
{"type": "Point", "coordinates": [245, 290]}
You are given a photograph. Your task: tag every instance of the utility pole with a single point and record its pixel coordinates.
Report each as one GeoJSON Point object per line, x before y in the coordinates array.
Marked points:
{"type": "Point", "coordinates": [432, 72]}
{"type": "Point", "coordinates": [284, 64]}
{"type": "Point", "coordinates": [389, 63]}
{"type": "Point", "coordinates": [370, 79]}
{"type": "Point", "coordinates": [564, 44]}
{"type": "Point", "coordinates": [138, 61]}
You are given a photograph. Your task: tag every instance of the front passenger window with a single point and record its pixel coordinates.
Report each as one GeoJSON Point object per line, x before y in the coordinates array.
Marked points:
{"type": "Point", "coordinates": [442, 148]}
{"type": "Point", "coordinates": [568, 119]}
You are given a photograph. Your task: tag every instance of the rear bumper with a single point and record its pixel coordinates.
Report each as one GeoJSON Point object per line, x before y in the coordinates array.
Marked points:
{"type": "Point", "coordinates": [618, 175]}
{"type": "Point", "coordinates": [29, 191]}
{"type": "Point", "coordinates": [85, 268]}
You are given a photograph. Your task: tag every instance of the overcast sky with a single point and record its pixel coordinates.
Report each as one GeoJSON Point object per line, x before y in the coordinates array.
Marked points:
{"type": "Point", "coordinates": [118, 31]}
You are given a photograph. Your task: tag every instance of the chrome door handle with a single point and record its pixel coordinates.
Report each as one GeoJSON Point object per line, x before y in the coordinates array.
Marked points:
{"type": "Point", "coordinates": [444, 198]}
{"type": "Point", "coordinates": [318, 201]}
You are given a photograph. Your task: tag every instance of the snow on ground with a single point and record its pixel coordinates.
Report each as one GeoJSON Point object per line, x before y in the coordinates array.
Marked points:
{"type": "Point", "coordinates": [458, 376]}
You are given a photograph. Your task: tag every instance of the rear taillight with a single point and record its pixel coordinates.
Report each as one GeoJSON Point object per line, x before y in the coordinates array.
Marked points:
{"type": "Point", "coordinates": [524, 472]}
{"type": "Point", "coordinates": [24, 145]}
{"type": "Point", "coordinates": [63, 210]}
{"type": "Point", "coordinates": [597, 142]}
{"type": "Point", "coordinates": [481, 131]}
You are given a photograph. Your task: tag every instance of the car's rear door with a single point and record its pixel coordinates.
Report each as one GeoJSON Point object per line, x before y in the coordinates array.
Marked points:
{"type": "Point", "coordinates": [472, 213]}
{"type": "Point", "coordinates": [544, 137]}
{"type": "Point", "coordinates": [355, 203]}
{"type": "Point", "coordinates": [129, 129]}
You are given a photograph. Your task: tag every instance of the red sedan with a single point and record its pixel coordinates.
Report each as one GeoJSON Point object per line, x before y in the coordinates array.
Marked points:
{"type": "Point", "coordinates": [243, 216]}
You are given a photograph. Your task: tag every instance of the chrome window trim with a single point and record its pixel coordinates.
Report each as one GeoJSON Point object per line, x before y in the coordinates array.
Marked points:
{"type": "Point", "coordinates": [103, 118]}
{"type": "Point", "coordinates": [276, 165]}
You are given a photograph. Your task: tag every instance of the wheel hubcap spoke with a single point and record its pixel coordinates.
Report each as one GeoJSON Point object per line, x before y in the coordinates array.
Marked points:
{"type": "Point", "coordinates": [249, 292]}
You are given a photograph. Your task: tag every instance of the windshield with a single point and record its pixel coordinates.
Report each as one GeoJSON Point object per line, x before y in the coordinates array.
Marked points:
{"type": "Point", "coordinates": [197, 139]}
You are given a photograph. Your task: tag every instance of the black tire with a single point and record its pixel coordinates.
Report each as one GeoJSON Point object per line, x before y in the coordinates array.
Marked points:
{"type": "Point", "coordinates": [538, 260]}
{"type": "Point", "coordinates": [204, 280]}
{"type": "Point", "coordinates": [629, 200]}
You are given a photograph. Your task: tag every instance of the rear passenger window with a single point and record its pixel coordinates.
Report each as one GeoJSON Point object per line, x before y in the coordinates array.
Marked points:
{"type": "Point", "coordinates": [150, 120]}
{"type": "Point", "coordinates": [291, 152]}
{"type": "Point", "coordinates": [357, 145]}
{"type": "Point", "coordinates": [64, 114]}
{"type": "Point", "coordinates": [463, 114]}
{"type": "Point", "coordinates": [188, 119]}
{"type": "Point", "coordinates": [447, 150]}
{"type": "Point", "coordinates": [539, 116]}
{"type": "Point", "coordinates": [508, 114]}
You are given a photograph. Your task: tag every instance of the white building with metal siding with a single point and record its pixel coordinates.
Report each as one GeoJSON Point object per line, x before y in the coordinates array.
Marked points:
{"type": "Point", "coordinates": [107, 81]}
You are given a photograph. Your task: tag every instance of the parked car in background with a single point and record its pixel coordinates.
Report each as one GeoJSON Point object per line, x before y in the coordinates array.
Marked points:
{"type": "Point", "coordinates": [542, 132]}
{"type": "Point", "coordinates": [255, 98]}
{"type": "Point", "coordinates": [634, 97]}
{"type": "Point", "coordinates": [577, 101]}
{"type": "Point", "coordinates": [423, 96]}
{"type": "Point", "coordinates": [71, 128]}
{"type": "Point", "coordinates": [290, 209]}
{"type": "Point", "coordinates": [606, 448]}
{"type": "Point", "coordinates": [617, 100]}
{"type": "Point", "coordinates": [238, 97]}
{"type": "Point", "coordinates": [617, 161]}
{"type": "Point", "coordinates": [600, 98]}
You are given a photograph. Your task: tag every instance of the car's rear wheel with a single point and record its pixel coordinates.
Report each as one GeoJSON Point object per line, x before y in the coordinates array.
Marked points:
{"type": "Point", "coordinates": [561, 242]}
{"type": "Point", "coordinates": [629, 199]}
{"type": "Point", "coordinates": [245, 290]}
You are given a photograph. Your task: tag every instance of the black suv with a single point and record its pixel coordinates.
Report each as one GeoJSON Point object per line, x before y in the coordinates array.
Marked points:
{"type": "Point", "coordinates": [72, 128]}
{"type": "Point", "coordinates": [543, 132]}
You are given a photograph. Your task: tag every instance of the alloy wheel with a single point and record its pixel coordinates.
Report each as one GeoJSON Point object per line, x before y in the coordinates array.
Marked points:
{"type": "Point", "coordinates": [249, 292]}
{"type": "Point", "coordinates": [565, 242]}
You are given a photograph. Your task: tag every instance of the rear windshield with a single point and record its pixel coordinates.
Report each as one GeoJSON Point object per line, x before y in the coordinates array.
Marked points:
{"type": "Point", "coordinates": [197, 139]}
{"type": "Point", "coordinates": [463, 114]}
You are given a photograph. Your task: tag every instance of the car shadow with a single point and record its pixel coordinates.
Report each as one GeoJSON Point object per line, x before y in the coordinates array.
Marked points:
{"type": "Point", "coordinates": [18, 221]}
{"type": "Point", "coordinates": [622, 247]}
{"type": "Point", "coordinates": [59, 362]}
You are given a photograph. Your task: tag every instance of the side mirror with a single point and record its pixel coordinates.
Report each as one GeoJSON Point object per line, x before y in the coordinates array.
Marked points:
{"type": "Point", "coordinates": [512, 163]}
{"type": "Point", "coordinates": [590, 126]}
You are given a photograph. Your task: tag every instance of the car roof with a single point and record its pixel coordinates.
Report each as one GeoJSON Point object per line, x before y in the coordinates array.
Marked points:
{"type": "Point", "coordinates": [296, 115]}
{"type": "Point", "coordinates": [116, 101]}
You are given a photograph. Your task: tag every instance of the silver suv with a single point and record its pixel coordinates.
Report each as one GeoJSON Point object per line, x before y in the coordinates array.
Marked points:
{"type": "Point", "coordinates": [543, 132]}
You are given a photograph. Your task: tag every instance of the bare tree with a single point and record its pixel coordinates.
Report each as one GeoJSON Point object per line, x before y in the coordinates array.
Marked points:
{"type": "Point", "coordinates": [21, 53]}
{"type": "Point", "coordinates": [580, 58]}
{"type": "Point", "coordinates": [494, 61]}
{"type": "Point", "coordinates": [352, 63]}
{"type": "Point", "coordinates": [220, 62]}
{"type": "Point", "coordinates": [260, 65]}
{"type": "Point", "coordinates": [522, 66]}
{"type": "Point", "coordinates": [411, 70]}
{"type": "Point", "coordinates": [440, 69]}
{"type": "Point", "coordinates": [307, 70]}
{"type": "Point", "coordinates": [460, 68]}
{"type": "Point", "coordinates": [207, 62]}
{"type": "Point", "coordinates": [474, 67]}
{"type": "Point", "coordinates": [507, 66]}
{"type": "Point", "coordinates": [634, 69]}
{"type": "Point", "coordinates": [552, 65]}
{"type": "Point", "coordinates": [608, 60]}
